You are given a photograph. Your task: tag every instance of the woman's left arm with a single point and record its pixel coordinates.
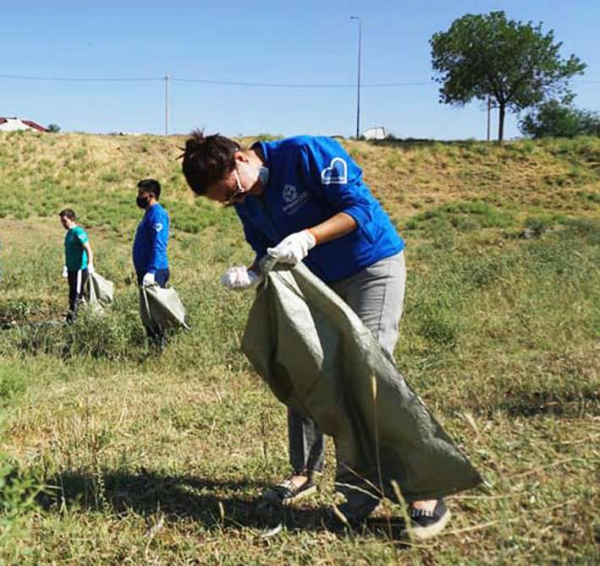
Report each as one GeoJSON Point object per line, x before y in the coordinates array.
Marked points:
{"type": "Point", "coordinates": [333, 177]}
{"type": "Point", "coordinates": [335, 227]}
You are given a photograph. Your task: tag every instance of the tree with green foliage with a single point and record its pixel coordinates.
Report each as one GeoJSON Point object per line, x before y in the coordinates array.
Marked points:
{"type": "Point", "coordinates": [558, 120]}
{"type": "Point", "coordinates": [53, 128]}
{"type": "Point", "coordinates": [513, 63]}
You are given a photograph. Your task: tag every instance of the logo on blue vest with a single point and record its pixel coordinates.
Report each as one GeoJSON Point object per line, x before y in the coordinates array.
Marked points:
{"type": "Point", "coordinates": [290, 193]}
{"type": "Point", "coordinates": [293, 199]}
{"type": "Point", "coordinates": [336, 173]}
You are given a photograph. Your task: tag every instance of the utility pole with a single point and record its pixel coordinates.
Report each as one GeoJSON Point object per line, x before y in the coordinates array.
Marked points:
{"type": "Point", "coordinates": [489, 116]}
{"type": "Point", "coordinates": [166, 105]}
{"type": "Point", "coordinates": [358, 75]}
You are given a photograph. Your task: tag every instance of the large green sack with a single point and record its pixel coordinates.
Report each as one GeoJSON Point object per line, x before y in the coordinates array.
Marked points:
{"type": "Point", "coordinates": [316, 355]}
{"type": "Point", "coordinates": [99, 289]}
{"type": "Point", "coordinates": [161, 307]}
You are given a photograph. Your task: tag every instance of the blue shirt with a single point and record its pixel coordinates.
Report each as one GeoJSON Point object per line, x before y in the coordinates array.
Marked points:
{"type": "Point", "coordinates": [310, 180]}
{"type": "Point", "coordinates": [151, 239]}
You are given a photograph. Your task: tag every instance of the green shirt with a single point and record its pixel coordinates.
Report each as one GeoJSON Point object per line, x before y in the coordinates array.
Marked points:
{"type": "Point", "coordinates": [75, 256]}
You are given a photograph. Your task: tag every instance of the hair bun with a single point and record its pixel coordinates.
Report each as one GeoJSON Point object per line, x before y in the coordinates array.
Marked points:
{"type": "Point", "coordinates": [196, 141]}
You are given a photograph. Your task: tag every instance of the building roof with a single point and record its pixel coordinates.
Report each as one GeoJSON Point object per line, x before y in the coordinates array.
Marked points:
{"type": "Point", "coordinates": [33, 125]}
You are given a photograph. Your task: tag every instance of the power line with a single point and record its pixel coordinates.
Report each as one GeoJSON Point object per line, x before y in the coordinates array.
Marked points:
{"type": "Point", "coordinates": [232, 83]}
{"type": "Point", "coordinates": [212, 81]}
{"type": "Point", "coordinates": [300, 85]}
{"type": "Point", "coordinates": [80, 79]}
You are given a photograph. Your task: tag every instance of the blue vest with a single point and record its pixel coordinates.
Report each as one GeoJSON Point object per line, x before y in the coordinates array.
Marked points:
{"type": "Point", "coordinates": [151, 239]}
{"type": "Point", "coordinates": [310, 180]}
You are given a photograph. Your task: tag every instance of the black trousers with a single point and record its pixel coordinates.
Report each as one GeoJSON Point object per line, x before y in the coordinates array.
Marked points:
{"type": "Point", "coordinates": [77, 280]}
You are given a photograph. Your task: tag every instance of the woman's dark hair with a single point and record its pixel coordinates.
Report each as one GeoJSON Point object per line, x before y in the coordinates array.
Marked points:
{"type": "Point", "coordinates": [67, 213]}
{"type": "Point", "coordinates": [207, 159]}
{"type": "Point", "coordinates": [150, 186]}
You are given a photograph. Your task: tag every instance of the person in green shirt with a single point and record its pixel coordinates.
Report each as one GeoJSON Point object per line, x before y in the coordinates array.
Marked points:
{"type": "Point", "coordinates": [79, 260]}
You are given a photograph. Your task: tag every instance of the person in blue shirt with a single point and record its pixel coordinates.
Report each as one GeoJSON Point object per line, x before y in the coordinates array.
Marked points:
{"type": "Point", "coordinates": [150, 247]}
{"type": "Point", "coordinates": [79, 260]}
{"type": "Point", "coordinates": [304, 199]}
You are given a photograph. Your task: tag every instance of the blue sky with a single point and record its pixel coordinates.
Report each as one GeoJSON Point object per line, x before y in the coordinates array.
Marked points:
{"type": "Point", "coordinates": [286, 41]}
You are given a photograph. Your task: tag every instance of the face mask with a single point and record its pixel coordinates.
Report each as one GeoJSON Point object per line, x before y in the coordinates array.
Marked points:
{"type": "Point", "coordinates": [142, 202]}
{"type": "Point", "coordinates": [263, 175]}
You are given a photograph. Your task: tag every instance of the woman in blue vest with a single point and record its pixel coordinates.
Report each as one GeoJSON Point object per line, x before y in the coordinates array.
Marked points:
{"type": "Point", "coordinates": [304, 199]}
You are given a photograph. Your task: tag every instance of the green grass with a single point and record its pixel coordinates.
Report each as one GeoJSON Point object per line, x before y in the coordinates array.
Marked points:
{"type": "Point", "coordinates": [145, 460]}
{"type": "Point", "coordinates": [12, 382]}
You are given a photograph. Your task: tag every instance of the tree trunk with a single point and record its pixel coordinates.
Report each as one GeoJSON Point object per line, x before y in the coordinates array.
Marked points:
{"type": "Point", "coordinates": [502, 113]}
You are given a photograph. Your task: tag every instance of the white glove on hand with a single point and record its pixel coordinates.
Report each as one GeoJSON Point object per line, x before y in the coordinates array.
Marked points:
{"type": "Point", "coordinates": [148, 280]}
{"type": "Point", "coordinates": [294, 248]}
{"type": "Point", "coordinates": [65, 272]}
{"type": "Point", "coordinates": [91, 268]}
{"type": "Point", "coordinates": [239, 278]}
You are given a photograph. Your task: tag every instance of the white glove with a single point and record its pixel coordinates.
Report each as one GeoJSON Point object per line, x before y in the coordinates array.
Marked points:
{"type": "Point", "coordinates": [239, 278]}
{"type": "Point", "coordinates": [65, 272]}
{"type": "Point", "coordinates": [148, 280]}
{"type": "Point", "coordinates": [294, 248]}
{"type": "Point", "coordinates": [91, 268]}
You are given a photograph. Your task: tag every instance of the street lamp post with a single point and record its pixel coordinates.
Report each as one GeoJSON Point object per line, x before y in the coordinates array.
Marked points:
{"type": "Point", "coordinates": [166, 105]}
{"type": "Point", "coordinates": [358, 75]}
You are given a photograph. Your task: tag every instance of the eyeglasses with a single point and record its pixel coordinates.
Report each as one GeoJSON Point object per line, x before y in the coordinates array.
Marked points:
{"type": "Point", "coordinates": [237, 194]}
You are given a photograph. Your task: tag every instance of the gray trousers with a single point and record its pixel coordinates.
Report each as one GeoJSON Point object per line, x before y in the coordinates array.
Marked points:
{"type": "Point", "coordinates": [376, 295]}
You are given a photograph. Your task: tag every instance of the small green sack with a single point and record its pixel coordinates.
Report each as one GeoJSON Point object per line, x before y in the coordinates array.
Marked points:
{"type": "Point", "coordinates": [99, 289]}
{"type": "Point", "coordinates": [161, 307]}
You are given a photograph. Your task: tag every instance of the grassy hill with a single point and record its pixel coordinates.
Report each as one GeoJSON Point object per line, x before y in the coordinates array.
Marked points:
{"type": "Point", "coordinates": [158, 460]}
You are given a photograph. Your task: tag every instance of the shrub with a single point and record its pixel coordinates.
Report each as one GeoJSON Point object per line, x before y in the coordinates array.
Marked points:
{"type": "Point", "coordinates": [554, 119]}
{"type": "Point", "coordinates": [535, 227]}
{"type": "Point", "coordinates": [12, 381]}
{"type": "Point", "coordinates": [18, 492]}
{"type": "Point", "coordinates": [110, 177]}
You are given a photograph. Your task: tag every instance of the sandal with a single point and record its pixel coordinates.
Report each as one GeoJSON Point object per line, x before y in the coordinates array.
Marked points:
{"type": "Point", "coordinates": [287, 492]}
{"type": "Point", "coordinates": [426, 524]}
